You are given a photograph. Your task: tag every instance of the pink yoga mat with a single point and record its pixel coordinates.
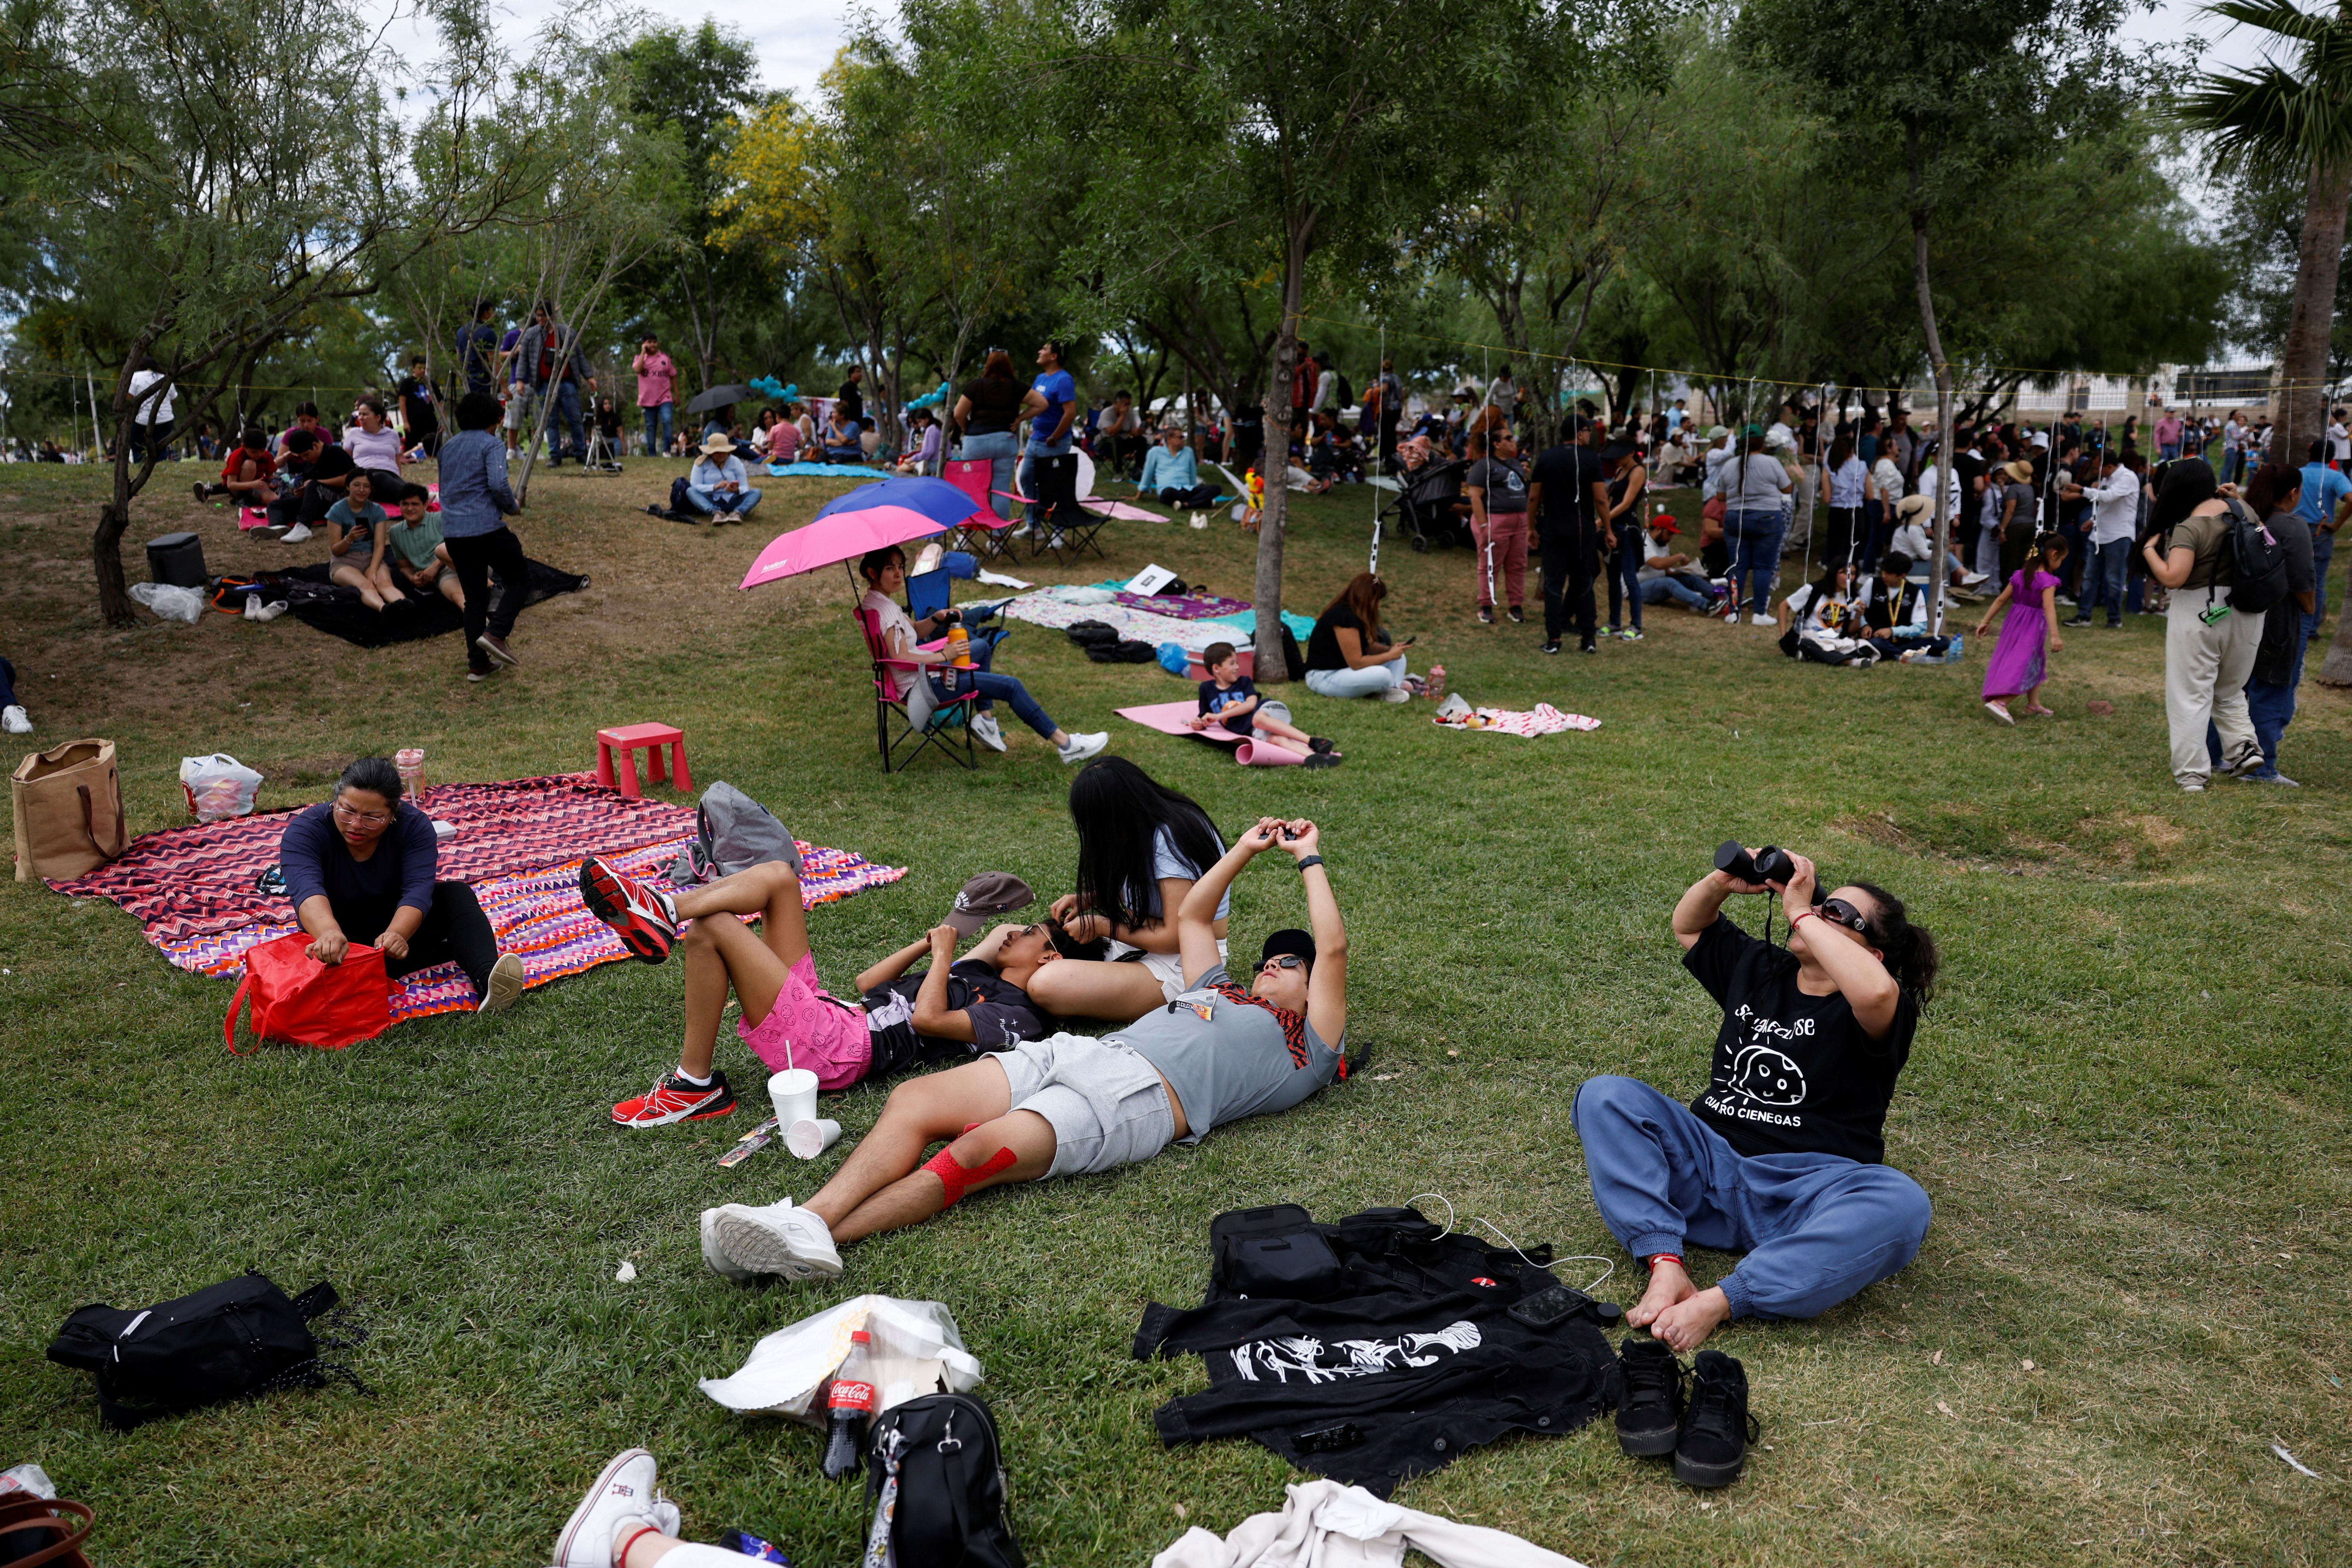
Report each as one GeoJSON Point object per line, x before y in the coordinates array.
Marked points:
{"type": "Point", "coordinates": [1261, 752]}
{"type": "Point", "coordinates": [1175, 719]}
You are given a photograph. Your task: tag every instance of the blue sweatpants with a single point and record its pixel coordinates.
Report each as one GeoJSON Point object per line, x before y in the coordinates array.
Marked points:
{"type": "Point", "coordinates": [1816, 1228]}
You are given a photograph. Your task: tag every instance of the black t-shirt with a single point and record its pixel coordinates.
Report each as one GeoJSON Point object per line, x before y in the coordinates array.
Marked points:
{"type": "Point", "coordinates": [1969, 467]}
{"type": "Point", "coordinates": [1001, 1018]}
{"type": "Point", "coordinates": [330, 462]}
{"type": "Point", "coordinates": [995, 404]}
{"type": "Point", "coordinates": [1323, 645]}
{"type": "Point", "coordinates": [417, 403]}
{"type": "Point", "coordinates": [1567, 475]}
{"type": "Point", "coordinates": [852, 403]}
{"type": "Point", "coordinates": [1504, 482]}
{"type": "Point", "coordinates": [1213, 700]}
{"type": "Point", "coordinates": [1793, 1074]}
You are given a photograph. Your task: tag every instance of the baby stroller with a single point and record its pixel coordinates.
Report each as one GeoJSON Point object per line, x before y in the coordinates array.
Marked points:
{"type": "Point", "coordinates": [1430, 505]}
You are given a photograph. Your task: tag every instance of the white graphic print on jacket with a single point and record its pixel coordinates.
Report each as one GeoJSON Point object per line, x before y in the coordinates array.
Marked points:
{"type": "Point", "coordinates": [1302, 1354]}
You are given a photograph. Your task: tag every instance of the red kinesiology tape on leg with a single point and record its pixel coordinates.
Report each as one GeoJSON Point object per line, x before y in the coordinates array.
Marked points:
{"type": "Point", "coordinates": [957, 1178]}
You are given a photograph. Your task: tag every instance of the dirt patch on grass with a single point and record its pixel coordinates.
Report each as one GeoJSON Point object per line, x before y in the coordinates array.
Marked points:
{"type": "Point", "coordinates": [1966, 834]}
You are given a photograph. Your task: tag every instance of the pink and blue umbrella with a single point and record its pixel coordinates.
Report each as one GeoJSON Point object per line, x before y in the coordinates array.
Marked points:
{"type": "Point", "coordinates": [887, 511]}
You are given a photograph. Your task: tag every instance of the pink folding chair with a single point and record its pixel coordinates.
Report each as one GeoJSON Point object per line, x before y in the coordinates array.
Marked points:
{"type": "Point", "coordinates": [892, 678]}
{"type": "Point", "coordinates": [982, 538]}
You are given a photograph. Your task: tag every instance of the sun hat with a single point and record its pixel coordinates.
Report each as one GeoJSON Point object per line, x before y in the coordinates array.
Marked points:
{"type": "Point", "coordinates": [715, 443]}
{"type": "Point", "coordinates": [2022, 472]}
{"type": "Point", "coordinates": [990, 893]}
{"type": "Point", "coordinates": [1911, 506]}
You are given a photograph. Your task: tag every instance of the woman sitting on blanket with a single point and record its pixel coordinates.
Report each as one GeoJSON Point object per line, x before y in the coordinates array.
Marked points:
{"type": "Point", "coordinates": [1349, 654]}
{"type": "Point", "coordinates": [885, 572]}
{"type": "Point", "coordinates": [363, 867]}
{"type": "Point", "coordinates": [788, 1019]}
{"type": "Point", "coordinates": [1141, 845]}
{"type": "Point", "coordinates": [784, 437]}
{"type": "Point", "coordinates": [841, 443]}
{"type": "Point", "coordinates": [356, 539]}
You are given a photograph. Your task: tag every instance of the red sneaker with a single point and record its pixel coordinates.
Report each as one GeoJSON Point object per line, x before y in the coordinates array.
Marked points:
{"type": "Point", "coordinates": [646, 920]}
{"type": "Point", "coordinates": [672, 1099]}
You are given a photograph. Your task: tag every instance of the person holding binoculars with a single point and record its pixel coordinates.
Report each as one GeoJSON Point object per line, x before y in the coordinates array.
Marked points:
{"type": "Point", "coordinates": [1782, 1156]}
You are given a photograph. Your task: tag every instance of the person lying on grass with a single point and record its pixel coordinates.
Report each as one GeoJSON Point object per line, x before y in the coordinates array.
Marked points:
{"type": "Point", "coordinates": [1072, 1106]}
{"type": "Point", "coordinates": [363, 867]}
{"type": "Point", "coordinates": [788, 1019]}
{"type": "Point", "coordinates": [1230, 698]}
{"type": "Point", "coordinates": [1782, 1157]}
{"type": "Point", "coordinates": [1142, 848]}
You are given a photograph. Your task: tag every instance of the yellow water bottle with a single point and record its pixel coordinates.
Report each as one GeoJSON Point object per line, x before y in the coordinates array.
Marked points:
{"type": "Point", "coordinates": [959, 647]}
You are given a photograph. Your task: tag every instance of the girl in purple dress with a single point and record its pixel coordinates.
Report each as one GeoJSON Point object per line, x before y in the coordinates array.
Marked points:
{"type": "Point", "coordinates": [2020, 664]}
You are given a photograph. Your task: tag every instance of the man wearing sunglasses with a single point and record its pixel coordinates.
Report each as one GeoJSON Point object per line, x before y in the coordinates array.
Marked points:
{"type": "Point", "coordinates": [1782, 1157]}
{"type": "Point", "coordinates": [1072, 1106]}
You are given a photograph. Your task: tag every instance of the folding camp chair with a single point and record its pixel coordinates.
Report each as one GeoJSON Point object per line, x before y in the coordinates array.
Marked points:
{"type": "Point", "coordinates": [888, 673]}
{"type": "Point", "coordinates": [984, 539]}
{"type": "Point", "coordinates": [928, 593]}
{"type": "Point", "coordinates": [1078, 536]}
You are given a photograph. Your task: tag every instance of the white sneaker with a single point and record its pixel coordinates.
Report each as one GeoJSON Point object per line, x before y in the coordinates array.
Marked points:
{"type": "Point", "coordinates": [623, 1495]}
{"type": "Point", "coordinates": [776, 1239]}
{"type": "Point", "coordinates": [16, 720]}
{"type": "Point", "coordinates": [296, 534]}
{"type": "Point", "coordinates": [715, 1255]}
{"type": "Point", "coordinates": [1081, 747]}
{"type": "Point", "coordinates": [984, 730]}
{"type": "Point", "coordinates": [1396, 694]}
{"type": "Point", "coordinates": [507, 981]}
{"type": "Point", "coordinates": [268, 611]}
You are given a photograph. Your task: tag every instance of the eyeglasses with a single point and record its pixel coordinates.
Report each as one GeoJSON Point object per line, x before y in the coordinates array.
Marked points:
{"type": "Point", "coordinates": [1837, 911]}
{"type": "Point", "coordinates": [374, 819]}
{"type": "Point", "coordinates": [1282, 961]}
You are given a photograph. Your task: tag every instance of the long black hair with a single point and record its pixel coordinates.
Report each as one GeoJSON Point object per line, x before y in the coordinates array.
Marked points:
{"type": "Point", "coordinates": [2188, 484]}
{"type": "Point", "coordinates": [1910, 951]}
{"type": "Point", "coordinates": [1120, 811]}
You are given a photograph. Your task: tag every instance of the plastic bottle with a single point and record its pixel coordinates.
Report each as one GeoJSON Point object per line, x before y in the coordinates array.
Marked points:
{"type": "Point", "coordinates": [1436, 681]}
{"type": "Point", "coordinates": [959, 647]}
{"type": "Point", "coordinates": [848, 1407]}
{"type": "Point", "coordinates": [409, 763]}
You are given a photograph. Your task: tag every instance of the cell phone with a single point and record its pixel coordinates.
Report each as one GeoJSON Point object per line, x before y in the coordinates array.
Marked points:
{"type": "Point", "coordinates": [1557, 1303]}
{"type": "Point", "coordinates": [1323, 1439]}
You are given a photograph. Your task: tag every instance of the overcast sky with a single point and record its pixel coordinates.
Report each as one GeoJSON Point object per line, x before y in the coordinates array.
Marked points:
{"type": "Point", "coordinates": [796, 38]}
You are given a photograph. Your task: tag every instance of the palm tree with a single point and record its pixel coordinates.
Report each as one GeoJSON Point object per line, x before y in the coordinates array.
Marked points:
{"type": "Point", "coordinates": [2292, 118]}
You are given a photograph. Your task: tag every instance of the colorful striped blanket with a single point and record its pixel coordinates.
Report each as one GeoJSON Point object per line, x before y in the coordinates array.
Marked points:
{"type": "Point", "coordinates": [518, 842]}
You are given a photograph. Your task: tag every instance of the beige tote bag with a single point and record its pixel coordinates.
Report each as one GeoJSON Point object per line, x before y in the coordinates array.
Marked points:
{"type": "Point", "coordinates": [68, 808]}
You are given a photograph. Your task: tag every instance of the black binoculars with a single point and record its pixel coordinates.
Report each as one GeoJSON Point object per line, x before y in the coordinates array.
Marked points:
{"type": "Point", "coordinates": [1767, 865]}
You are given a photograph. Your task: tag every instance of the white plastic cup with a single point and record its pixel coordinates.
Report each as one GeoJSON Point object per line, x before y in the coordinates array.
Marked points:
{"type": "Point", "coordinates": [809, 1137]}
{"type": "Point", "coordinates": [793, 1093]}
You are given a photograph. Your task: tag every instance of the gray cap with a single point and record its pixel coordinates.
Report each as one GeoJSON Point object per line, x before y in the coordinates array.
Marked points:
{"type": "Point", "coordinates": [989, 894]}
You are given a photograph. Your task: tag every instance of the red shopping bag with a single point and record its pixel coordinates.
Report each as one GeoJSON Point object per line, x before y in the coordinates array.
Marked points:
{"type": "Point", "coordinates": [298, 999]}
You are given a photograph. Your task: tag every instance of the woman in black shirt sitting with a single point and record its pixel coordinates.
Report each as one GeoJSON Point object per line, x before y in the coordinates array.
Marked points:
{"type": "Point", "coordinates": [1349, 654]}
{"type": "Point", "coordinates": [1782, 1156]}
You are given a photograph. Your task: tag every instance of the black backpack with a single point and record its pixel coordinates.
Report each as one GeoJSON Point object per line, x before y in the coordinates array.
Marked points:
{"type": "Point", "coordinates": [239, 1337]}
{"type": "Point", "coordinates": [950, 1511]}
{"type": "Point", "coordinates": [1347, 398]}
{"type": "Point", "coordinates": [2260, 560]}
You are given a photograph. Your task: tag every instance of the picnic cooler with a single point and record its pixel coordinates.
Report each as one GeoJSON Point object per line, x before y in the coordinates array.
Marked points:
{"type": "Point", "coordinates": [298, 999]}
{"type": "Point", "coordinates": [67, 803]}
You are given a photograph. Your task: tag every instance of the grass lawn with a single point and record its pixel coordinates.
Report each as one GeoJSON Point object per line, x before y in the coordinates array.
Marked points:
{"type": "Point", "coordinates": [2130, 1105]}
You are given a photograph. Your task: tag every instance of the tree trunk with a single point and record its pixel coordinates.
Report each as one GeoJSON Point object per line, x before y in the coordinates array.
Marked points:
{"type": "Point", "coordinates": [1940, 535]}
{"type": "Point", "coordinates": [2303, 362]}
{"type": "Point", "coordinates": [1273, 464]}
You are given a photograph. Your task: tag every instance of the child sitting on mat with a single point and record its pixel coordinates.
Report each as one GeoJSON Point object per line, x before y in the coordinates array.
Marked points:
{"type": "Point", "coordinates": [1230, 698]}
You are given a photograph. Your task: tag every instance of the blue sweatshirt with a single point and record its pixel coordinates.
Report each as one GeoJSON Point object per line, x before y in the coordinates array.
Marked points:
{"type": "Point", "coordinates": [475, 496]}
{"type": "Point", "coordinates": [316, 860]}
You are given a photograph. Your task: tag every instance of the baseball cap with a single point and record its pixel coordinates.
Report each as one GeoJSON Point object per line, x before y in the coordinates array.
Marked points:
{"type": "Point", "coordinates": [990, 893]}
{"type": "Point", "coordinates": [1660, 520]}
{"type": "Point", "coordinates": [1753, 430]}
{"type": "Point", "coordinates": [1291, 939]}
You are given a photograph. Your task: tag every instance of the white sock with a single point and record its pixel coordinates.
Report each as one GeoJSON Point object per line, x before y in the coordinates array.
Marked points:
{"type": "Point", "coordinates": [687, 1078]}
{"type": "Point", "coordinates": [692, 1554]}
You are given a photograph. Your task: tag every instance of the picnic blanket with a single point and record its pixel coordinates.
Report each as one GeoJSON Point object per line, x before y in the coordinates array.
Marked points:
{"type": "Point", "coordinates": [339, 613]}
{"type": "Point", "coordinates": [518, 842]}
{"type": "Point", "coordinates": [826, 471]}
{"type": "Point", "coordinates": [1545, 719]}
{"type": "Point", "coordinates": [1187, 606]}
{"type": "Point", "coordinates": [1065, 606]}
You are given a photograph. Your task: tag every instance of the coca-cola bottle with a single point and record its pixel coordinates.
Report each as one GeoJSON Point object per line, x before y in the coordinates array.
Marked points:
{"type": "Point", "coordinates": [849, 1406]}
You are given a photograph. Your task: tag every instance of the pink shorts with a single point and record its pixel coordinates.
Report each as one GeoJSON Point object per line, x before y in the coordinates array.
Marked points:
{"type": "Point", "coordinates": [807, 1028]}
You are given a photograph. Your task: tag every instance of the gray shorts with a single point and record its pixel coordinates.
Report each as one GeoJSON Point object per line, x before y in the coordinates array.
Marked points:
{"type": "Point", "coordinates": [1106, 1103]}
{"type": "Point", "coordinates": [518, 410]}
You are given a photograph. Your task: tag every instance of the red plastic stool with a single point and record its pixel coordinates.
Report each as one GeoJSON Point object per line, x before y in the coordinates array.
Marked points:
{"type": "Point", "coordinates": [651, 738]}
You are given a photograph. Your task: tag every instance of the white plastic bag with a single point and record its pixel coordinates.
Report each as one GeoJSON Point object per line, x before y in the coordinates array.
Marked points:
{"type": "Point", "coordinates": [218, 786]}
{"type": "Point", "coordinates": [170, 602]}
{"type": "Point", "coordinates": [916, 1346]}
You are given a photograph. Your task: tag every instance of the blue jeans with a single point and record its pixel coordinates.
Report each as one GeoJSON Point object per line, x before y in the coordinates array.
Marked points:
{"type": "Point", "coordinates": [565, 406]}
{"type": "Point", "coordinates": [2271, 709]}
{"type": "Point", "coordinates": [946, 684]}
{"type": "Point", "coordinates": [1817, 1228]}
{"type": "Point", "coordinates": [1369, 681]}
{"type": "Point", "coordinates": [1626, 578]}
{"type": "Point", "coordinates": [2102, 580]}
{"type": "Point", "coordinates": [2167, 451]}
{"type": "Point", "coordinates": [659, 427]}
{"type": "Point", "coordinates": [998, 451]}
{"type": "Point", "coordinates": [1033, 469]}
{"type": "Point", "coordinates": [1755, 540]}
{"type": "Point", "coordinates": [1658, 590]}
{"type": "Point", "coordinates": [706, 499]}
{"type": "Point", "coordinates": [2322, 552]}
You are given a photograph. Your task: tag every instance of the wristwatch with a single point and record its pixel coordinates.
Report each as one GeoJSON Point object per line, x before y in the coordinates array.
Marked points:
{"type": "Point", "coordinates": [1307, 860]}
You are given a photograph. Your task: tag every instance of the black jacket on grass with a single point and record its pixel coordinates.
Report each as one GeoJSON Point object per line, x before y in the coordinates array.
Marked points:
{"type": "Point", "coordinates": [1410, 1359]}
